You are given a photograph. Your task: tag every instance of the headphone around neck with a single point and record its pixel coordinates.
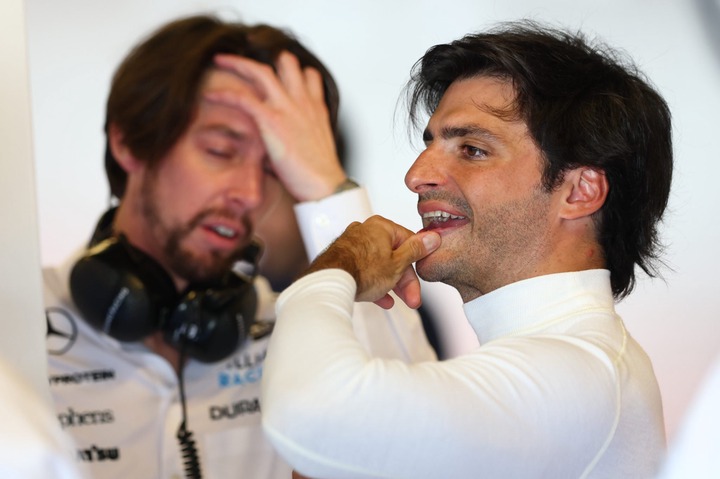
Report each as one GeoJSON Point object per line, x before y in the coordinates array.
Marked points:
{"type": "Point", "coordinates": [126, 294]}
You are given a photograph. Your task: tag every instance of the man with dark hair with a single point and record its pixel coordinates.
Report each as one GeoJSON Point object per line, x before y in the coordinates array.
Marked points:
{"type": "Point", "coordinates": [547, 167]}
{"type": "Point", "coordinates": [157, 333]}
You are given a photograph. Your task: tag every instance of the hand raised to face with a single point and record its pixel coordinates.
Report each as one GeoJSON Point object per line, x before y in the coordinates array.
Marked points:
{"type": "Point", "coordinates": [293, 120]}
{"type": "Point", "coordinates": [379, 254]}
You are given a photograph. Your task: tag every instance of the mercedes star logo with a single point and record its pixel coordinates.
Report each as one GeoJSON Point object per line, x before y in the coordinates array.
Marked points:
{"type": "Point", "coordinates": [61, 331]}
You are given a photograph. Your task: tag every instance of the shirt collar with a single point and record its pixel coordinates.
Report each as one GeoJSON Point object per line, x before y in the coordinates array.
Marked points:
{"type": "Point", "coordinates": [523, 306]}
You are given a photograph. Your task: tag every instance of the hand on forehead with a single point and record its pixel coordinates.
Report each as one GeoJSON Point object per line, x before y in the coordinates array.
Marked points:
{"type": "Point", "coordinates": [290, 110]}
{"type": "Point", "coordinates": [221, 81]}
{"type": "Point", "coordinates": [288, 76]}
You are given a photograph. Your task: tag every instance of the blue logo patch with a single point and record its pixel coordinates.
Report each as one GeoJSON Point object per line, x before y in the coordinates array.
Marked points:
{"type": "Point", "coordinates": [243, 377]}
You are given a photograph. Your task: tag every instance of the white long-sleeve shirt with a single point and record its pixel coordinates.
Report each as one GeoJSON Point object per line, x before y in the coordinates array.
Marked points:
{"type": "Point", "coordinates": [557, 389]}
{"type": "Point", "coordinates": [120, 401]}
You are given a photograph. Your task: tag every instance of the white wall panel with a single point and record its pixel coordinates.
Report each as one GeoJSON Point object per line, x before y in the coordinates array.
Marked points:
{"type": "Point", "coordinates": [22, 342]}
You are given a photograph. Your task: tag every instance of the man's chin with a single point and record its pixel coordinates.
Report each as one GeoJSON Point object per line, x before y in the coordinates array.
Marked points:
{"type": "Point", "coordinates": [427, 270]}
{"type": "Point", "coordinates": [206, 268]}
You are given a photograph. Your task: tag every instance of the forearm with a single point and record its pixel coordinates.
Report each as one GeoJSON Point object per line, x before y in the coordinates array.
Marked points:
{"type": "Point", "coordinates": [319, 380]}
{"type": "Point", "coordinates": [303, 345]}
{"type": "Point", "coordinates": [394, 333]}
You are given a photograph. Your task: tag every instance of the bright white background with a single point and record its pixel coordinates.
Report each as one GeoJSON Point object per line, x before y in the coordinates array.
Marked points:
{"type": "Point", "coordinates": [370, 46]}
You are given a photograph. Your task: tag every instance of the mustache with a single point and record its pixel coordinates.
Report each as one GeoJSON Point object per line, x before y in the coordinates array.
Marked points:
{"type": "Point", "coordinates": [459, 203]}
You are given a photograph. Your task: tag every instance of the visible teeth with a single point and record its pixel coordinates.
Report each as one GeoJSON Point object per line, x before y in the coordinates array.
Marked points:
{"type": "Point", "coordinates": [224, 231]}
{"type": "Point", "coordinates": [439, 216]}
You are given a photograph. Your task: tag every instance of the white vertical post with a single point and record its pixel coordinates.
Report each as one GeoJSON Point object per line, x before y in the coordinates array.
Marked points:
{"type": "Point", "coordinates": [22, 323]}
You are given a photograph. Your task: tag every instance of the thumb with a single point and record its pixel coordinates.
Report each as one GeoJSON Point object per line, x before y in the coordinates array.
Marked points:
{"type": "Point", "coordinates": [413, 249]}
{"type": "Point", "coordinates": [418, 246]}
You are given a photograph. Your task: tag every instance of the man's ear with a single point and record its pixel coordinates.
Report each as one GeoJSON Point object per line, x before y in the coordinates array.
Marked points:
{"type": "Point", "coordinates": [121, 151]}
{"type": "Point", "coordinates": [587, 188]}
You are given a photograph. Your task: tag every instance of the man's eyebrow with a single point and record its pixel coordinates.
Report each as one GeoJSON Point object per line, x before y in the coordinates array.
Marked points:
{"type": "Point", "coordinates": [450, 132]}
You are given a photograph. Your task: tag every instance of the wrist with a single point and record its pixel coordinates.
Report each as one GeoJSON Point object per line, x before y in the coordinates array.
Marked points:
{"type": "Point", "coordinates": [335, 257]}
{"type": "Point", "coordinates": [347, 184]}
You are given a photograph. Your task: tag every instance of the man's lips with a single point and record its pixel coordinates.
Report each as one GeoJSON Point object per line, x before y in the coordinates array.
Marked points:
{"type": "Point", "coordinates": [223, 230]}
{"type": "Point", "coordinates": [437, 215]}
{"type": "Point", "coordinates": [441, 219]}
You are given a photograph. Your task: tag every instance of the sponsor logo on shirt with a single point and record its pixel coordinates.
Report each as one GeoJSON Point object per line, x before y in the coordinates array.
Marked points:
{"type": "Point", "coordinates": [238, 408]}
{"type": "Point", "coordinates": [83, 377]}
{"type": "Point", "coordinates": [73, 418]}
{"type": "Point", "coordinates": [61, 332]}
{"type": "Point", "coordinates": [242, 369]}
{"type": "Point", "coordinates": [98, 454]}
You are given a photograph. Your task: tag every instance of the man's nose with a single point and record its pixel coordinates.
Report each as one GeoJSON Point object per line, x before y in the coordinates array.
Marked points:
{"type": "Point", "coordinates": [424, 173]}
{"type": "Point", "coordinates": [246, 187]}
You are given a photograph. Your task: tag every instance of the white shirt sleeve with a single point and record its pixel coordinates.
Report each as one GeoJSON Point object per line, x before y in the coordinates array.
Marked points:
{"type": "Point", "coordinates": [324, 220]}
{"type": "Point", "coordinates": [395, 333]}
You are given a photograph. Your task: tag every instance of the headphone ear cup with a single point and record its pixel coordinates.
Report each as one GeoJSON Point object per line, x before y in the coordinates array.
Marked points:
{"type": "Point", "coordinates": [121, 290]}
{"type": "Point", "coordinates": [210, 324]}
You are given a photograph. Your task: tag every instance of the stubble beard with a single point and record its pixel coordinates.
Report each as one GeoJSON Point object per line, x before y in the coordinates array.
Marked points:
{"type": "Point", "coordinates": [503, 242]}
{"type": "Point", "coordinates": [444, 264]}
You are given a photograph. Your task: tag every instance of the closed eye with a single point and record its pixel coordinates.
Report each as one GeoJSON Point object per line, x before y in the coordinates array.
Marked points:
{"type": "Point", "coordinates": [220, 153]}
{"type": "Point", "coordinates": [220, 142]}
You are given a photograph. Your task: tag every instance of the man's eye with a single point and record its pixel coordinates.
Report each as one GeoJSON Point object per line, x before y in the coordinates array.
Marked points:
{"type": "Point", "coordinates": [474, 152]}
{"type": "Point", "coordinates": [219, 153]}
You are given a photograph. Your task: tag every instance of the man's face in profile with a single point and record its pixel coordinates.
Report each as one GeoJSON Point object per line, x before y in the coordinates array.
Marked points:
{"type": "Point", "coordinates": [479, 185]}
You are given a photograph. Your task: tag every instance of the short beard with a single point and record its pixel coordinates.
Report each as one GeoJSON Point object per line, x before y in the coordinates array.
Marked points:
{"type": "Point", "coordinates": [182, 262]}
{"type": "Point", "coordinates": [190, 266]}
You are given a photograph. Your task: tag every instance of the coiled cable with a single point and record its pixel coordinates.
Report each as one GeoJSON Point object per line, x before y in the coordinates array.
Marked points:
{"type": "Point", "coordinates": [188, 450]}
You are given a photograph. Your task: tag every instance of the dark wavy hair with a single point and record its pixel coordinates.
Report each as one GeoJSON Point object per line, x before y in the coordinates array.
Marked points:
{"type": "Point", "coordinates": [154, 91]}
{"type": "Point", "coordinates": [585, 104]}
